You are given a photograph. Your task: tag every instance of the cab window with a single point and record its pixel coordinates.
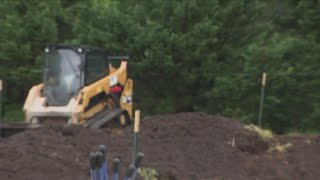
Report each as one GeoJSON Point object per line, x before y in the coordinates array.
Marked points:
{"type": "Point", "coordinates": [96, 67]}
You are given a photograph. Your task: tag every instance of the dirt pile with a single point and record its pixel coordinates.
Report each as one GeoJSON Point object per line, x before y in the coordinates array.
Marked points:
{"type": "Point", "coordinates": [179, 146]}
{"type": "Point", "coordinates": [197, 145]}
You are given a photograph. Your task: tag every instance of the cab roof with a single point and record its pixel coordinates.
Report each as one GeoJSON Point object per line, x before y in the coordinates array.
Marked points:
{"type": "Point", "coordinates": [85, 48]}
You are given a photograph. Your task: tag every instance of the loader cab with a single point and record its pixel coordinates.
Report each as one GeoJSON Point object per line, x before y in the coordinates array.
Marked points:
{"type": "Point", "coordinates": [68, 69]}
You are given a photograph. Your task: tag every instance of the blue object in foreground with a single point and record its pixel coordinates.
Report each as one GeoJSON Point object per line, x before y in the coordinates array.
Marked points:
{"type": "Point", "coordinates": [99, 169]}
{"type": "Point", "coordinates": [99, 172]}
{"type": "Point", "coordinates": [104, 171]}
{"type": "Point", "coordinates": [102, 149]}
{"type": "Point", "coordinates": [115, 168]}
{"type": "Point", "coordinates": [93, 166]}
{"type": "Point", "coordinates": [130, 172]}
{"type": "Point", "coordinates": [137, 164]}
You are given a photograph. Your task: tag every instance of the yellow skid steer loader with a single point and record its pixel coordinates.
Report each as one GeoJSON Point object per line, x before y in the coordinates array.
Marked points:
{"type": "Point", "coordinates": [81, 86]}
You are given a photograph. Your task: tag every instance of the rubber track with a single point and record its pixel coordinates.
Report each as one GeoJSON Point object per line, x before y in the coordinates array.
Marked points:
{"type": "Point", "coordinates": [105, 116]}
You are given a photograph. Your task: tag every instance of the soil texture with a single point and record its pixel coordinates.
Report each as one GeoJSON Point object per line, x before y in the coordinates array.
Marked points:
{"type": "Point", "coordinates": [194, 146]}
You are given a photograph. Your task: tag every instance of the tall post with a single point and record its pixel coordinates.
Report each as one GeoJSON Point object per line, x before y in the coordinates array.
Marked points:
{"type": "Point", "coordinates": [136, 135]}
{"type": "Point", "coordinates": [263, 85]}
{"type": "Point", "coordinates": [0, 106]}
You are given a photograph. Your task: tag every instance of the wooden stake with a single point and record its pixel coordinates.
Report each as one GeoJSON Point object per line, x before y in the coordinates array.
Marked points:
{"type": "Point", "coordinates": [136, 135]}
{"type": "Point", "coordinates": [264, 79]}
{"type": "Point", "coordinates": [263, 83]}
{"type": "Point", "coordinates": [136, 121]}
{"type": "Point", "coordinates": [0, 105]}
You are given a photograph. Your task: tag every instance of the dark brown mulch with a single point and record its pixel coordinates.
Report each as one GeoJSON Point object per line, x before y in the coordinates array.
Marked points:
{"type": "Point", "coordinates": [179, 146]}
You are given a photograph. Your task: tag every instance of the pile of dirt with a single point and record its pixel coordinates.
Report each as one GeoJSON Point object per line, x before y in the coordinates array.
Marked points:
{"type": "Point", "coordinates": [178, 146]}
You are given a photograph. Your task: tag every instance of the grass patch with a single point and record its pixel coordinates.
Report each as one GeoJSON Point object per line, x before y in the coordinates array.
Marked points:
{"type": "Point", "coordinates": [13, 113]}
{"type": "Point", "coordinates": [262, 133]}
{"type": "Point", "coordinates": [308, 132]}
{"type": "Point", "coordinates": [280, 148]}
{"type": "Point", "coordinates": [149, 174]}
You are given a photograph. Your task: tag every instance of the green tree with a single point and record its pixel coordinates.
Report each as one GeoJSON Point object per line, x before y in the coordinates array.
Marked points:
{"type": "Point", "coordinates": [25, 28]}
{"type": "Point", "coordinates": [190, 55]}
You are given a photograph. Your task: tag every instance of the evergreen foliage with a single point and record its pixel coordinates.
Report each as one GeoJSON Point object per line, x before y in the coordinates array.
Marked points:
{"type": "Point", "coordinates": [187, 55]}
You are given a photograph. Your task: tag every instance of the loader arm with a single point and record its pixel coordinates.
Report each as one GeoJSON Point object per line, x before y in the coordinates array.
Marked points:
{"type": "Point", "coordinates": [102, 86]}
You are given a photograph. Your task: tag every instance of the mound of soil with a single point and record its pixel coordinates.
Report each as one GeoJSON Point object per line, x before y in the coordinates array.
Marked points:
{"type": "Point", "coordinates": [179, 146]}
